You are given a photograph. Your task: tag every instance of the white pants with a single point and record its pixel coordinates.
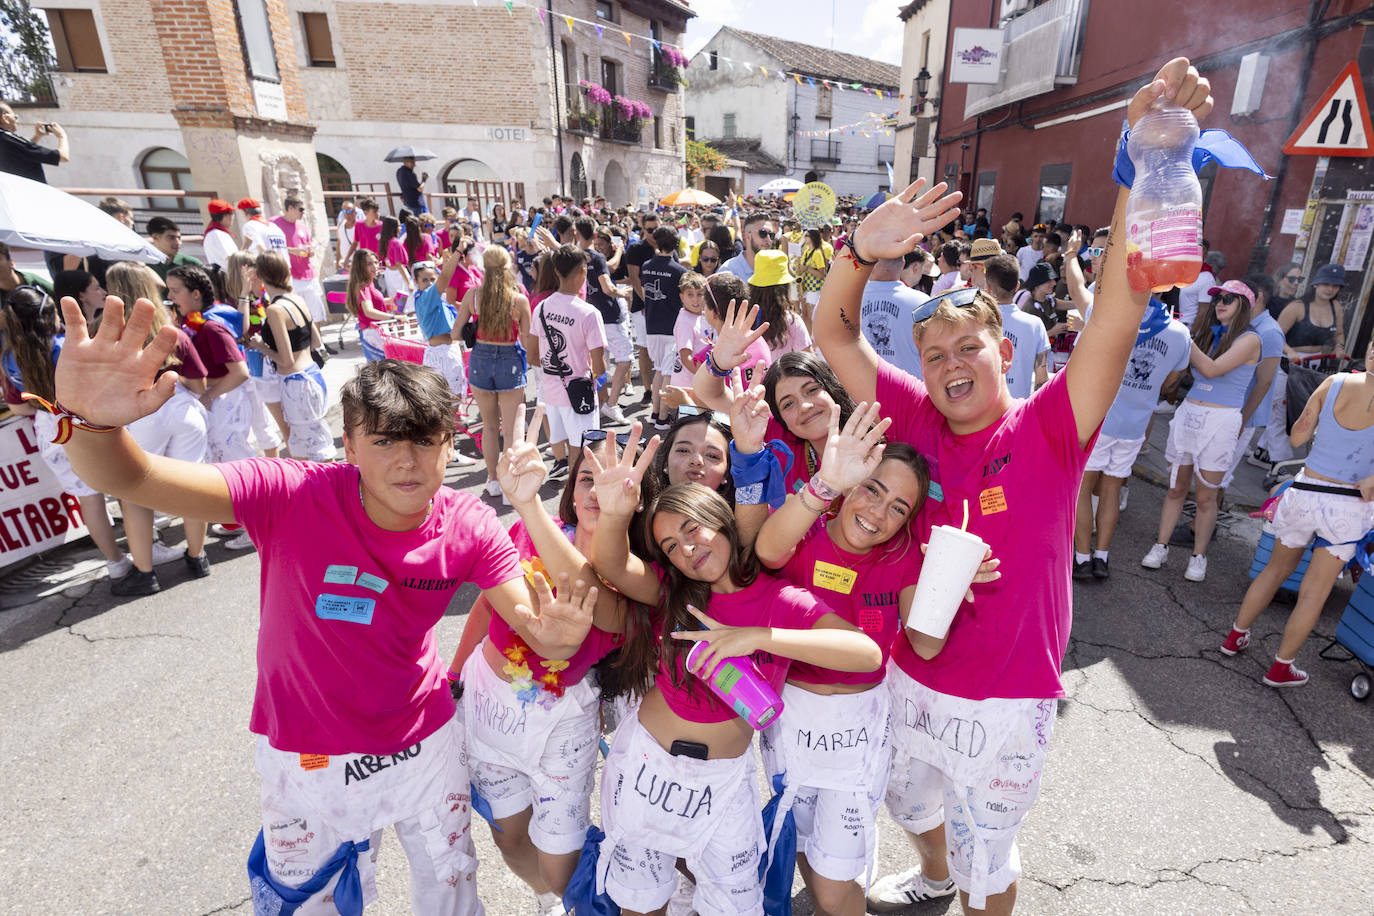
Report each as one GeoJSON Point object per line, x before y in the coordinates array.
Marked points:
{"type": "Point", "coordinates": [1114, 457]}
{"type": "Point", "coordinates": [311, 804]}
{"type": "Point", "coordinates": [178, 429]}
{"type": "Point", "coordinates": [974, 765]}
{"type": "Point", "coordinates": [303, 403]}
{"type": "Point", "coordinates": [525, 755]}
{"type": "Point", "coordinates": [447, 360]}
{"type": "Point", "coordinates": [230, 421]}
{"type": "Point", "coordinates": [1202, 436]}
{"type": "Point", "coordinates": [312, 294]}
{"type": "Point", "coordinates": [266, 433]}
{"type": "Point", "coordinates": [1275, 437]}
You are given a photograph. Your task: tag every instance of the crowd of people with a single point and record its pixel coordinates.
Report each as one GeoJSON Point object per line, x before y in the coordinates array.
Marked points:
{"type": "Point", "coordinates": [816, 400]}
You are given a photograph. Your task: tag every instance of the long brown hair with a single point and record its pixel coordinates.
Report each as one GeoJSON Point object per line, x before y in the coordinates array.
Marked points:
{"type": "Point", "coordinates": [412, 239]}
{"type": "Point", "coordinates": [545, 277]}
{"type": "Point", "coordinates": [709, 509]}
{"type": "Point", "coordinates": [775, 307]}
{"type": "Point", "coordinates": [236, 285]}
{"type": "Point", "coordinates": [1207, 317]}
{"type": "Point", "coordinates": [31, 330]}
{"type": "Point", "coordinates": [357, 279]}
{"type": "Point", "coordinates": [495, 297]}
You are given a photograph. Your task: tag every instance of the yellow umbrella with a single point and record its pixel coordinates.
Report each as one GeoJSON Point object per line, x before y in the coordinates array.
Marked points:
{"type": "Point", "coordinates": [689, 197]}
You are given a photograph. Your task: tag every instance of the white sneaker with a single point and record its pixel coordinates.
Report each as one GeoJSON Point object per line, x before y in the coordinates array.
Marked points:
{"type": "Point", "coordinates": [895, 892]}
{"type": "Point", "coordinates": [1156, 557]}
{"type": "Point", "coordinates": [164, 554]}
{"type": "Point", "coordinates": [1197, 569]}
{"type": "Point", "coordinates": [219, 530]}
{"type": "Point", "coordinates": [493, 488]}
{"type": "Point", "coordinates": [1125, 495]}
{"type": "Point", "coordinates": [118, 569]}
{"type": "Point", "coordinates": [614, 414]}
{"type": "Point", "coordinates": [462, 461]}
{"type": "Point", "coordinates": [549, 904]}
{"type": "Point", "coordinates": [242, 542]}
{"type": "Point", "coordinates": [680, 904]}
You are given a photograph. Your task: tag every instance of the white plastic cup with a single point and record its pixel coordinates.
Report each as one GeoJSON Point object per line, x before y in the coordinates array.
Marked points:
{"type": "Point", "coordinates": [952, 560]}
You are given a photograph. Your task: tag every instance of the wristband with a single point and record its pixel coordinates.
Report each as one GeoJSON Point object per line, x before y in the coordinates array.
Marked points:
{"type": "Point", "coordinates": [66, 420]}
{"type": "Point", "coordinates": [454, 675]}
{"type": "Point", "coordinates": [854, 252]}
{"type": "Point", "coordinates": [715, 368]}
{"type": "Point", "coordinates": [601, 381]}
{"type": "Point", "coordinates": [760, 477]}
{"type": "Point", "coordinates": [801, 495]}
{"type": "Point", "coordinates": [822, 490]}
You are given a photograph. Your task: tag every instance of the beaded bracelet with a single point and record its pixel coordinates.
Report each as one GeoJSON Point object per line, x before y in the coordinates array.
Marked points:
{"type": "Point", "coordinates": [715, 368]}
{"type": "Point", "coordinates": [66, 420]}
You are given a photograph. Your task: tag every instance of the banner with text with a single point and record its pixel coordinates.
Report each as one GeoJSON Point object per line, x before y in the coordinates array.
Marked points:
{"type": "Point", "coordinates": [35, 513]}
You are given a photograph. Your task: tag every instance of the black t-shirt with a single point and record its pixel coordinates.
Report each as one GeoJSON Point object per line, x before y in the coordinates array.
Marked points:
{"type": "Point", "coordinates": [660, 276]}
{"type": "Point", "coordinates": [24, 157]}
{"type": "Point", "coordinates": [409, 184]}
{"type": "Point", "coordinates": [1276, 305]}
{"type": "Point", "coordinates": [635, 256]}
{"type": "Point", "coordinates": [607, 306]}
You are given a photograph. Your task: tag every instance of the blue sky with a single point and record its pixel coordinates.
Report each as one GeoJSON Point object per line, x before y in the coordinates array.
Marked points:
{"type": "Point", "coordinates": [869, 28]}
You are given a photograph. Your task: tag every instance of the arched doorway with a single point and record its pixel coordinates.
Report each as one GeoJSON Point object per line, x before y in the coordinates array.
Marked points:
{"type": "Point", "coordinates": [334, 177]}
{"type": "Point", "coordinates": [577, 183]}
{"type": "Point", "coordinates": [164, 169]}
{"type": "Point", "coordinates": [463, 170]}
{"type": "Point", "coordinates": [614, 186]}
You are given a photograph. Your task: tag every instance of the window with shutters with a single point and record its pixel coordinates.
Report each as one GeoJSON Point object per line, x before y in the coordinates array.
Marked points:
{"type": "Point", "coordinates": [727, 126]}
{"type": "Point", "coordinates": [319, 44]}
{"type": "Point", "coordinates": [76, 40]}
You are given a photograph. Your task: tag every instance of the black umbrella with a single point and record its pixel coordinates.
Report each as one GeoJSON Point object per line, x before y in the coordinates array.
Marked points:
{"type": "Point", "coordinates": [418, 153]}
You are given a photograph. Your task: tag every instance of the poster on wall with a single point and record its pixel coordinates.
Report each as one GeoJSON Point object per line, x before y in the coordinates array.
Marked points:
{"type": "Point", "coordinates": [35, 513]}
{"type": "Point", "coordinates": [976, 56]}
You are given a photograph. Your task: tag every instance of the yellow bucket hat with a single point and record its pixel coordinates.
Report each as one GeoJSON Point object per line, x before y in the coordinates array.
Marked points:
{"type": "Point", "coordinates": [770, 269]}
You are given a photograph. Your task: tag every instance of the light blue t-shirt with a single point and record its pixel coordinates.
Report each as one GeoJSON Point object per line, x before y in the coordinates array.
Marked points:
{"type": "Point", "coordinates": [885, 318]}
{"type": "Point", "coordinates": [1271, 344]}
{"type": "Point", "coordinates": [1151, 362]}
{"type": "Point", "coordinates": [739, 266]}
{"type": "Point", "coordinates": [435, 314]}
{"type": "Point", "coordinates": [1028, 340]}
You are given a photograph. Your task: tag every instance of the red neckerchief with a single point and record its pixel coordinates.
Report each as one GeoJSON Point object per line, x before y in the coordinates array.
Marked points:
{"type": "Point", "coordinates": [213, 226]}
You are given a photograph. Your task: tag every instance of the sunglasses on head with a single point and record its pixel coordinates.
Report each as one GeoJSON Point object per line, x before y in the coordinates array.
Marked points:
{"type": "Point", "coordinates": [593, 436]}
{"type": "Point", "coordinates": [959, 298]}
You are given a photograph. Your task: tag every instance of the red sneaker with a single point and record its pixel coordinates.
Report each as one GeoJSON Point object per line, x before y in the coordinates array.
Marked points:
{"type": "Point", "coordinates": [1236, 641]}
{"type": "Point", "coordinates": [1284, 674]}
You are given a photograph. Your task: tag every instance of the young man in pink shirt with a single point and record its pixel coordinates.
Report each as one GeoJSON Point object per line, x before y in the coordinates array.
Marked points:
{"type": "Point", "coordinates": [359, 562]}
{"type": "Point", "coordinates": [300, 249]}
{"type": "Point", "coordinates": [972, 715]}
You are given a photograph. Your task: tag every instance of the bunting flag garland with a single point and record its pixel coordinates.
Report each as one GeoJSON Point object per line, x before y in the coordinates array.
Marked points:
{"type": "Point", "coordinates": [874, 123]}
{"type": "Point", "coordinates": [662, 47]}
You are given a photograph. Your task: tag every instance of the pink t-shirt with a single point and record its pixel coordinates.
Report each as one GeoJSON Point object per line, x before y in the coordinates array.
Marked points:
{"type": "Point", "coordinates": [297, 236]}
{"type": "Point", "coordinates": [690, 333]}
{"type": "Point", "coordinates": [396, 254]}
{"type": "Point", "coordinates": [464, 279]}
{"type": "Point", "coordinates": [595, 647]}
{"type": "Point", "coordinates": [1020, 476]}
{"type": "Point", "coordinates": [861, 587]}
{"type": "Point", "coordinates": [766, 602]}
{"type": "Point", "coordinates": [797, 338]}
{"type": "Point", "coordinates": [798, 474]}
{"type": "Point", "coordinates": [347, 661]}
{"type": "Point", "coordinates": [576, 329]}
{"type": "Point", "coordinates": [374, 298]}
{"type": "Point", "coordinates": [368, 237]}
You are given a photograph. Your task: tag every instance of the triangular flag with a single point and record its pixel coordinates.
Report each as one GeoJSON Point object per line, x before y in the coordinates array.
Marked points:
{"type": "Point", "coordinates": [654, 42]}
{"type": "Point", "coordinates": [797, 77]}
{"type": "Point", "coordinates": [568, 20]}
{"type": "Point", "coordinates": [762, 69]}
{"type": "Point", "coordinates": [510, 7]}
{"type": "Point", "coordinates": [540, 11]}
{"type": "Point", "coordinates": [856, 85]}
{"type": "Point", "coordinates": [626, 36]}
{"type": "Point", "coordinates": [599, 29]}
{"type": "Point", "coordinates": [810, 81]}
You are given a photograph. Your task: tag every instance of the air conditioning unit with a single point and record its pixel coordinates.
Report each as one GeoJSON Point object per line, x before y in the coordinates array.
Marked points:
{"type": "Point", "coordinates": [1254, 68]}
{"type": "Point", "coordinates": [1013, 8]}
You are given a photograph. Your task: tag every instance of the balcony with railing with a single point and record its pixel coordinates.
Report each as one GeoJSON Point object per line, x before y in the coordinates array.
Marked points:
{"type": "Point", "coordinates": [825, 151]}
{"type": "Point", "coordinates": [620, 129]}
{"type": "Point", "coordinates": [666, 64]}
{"type": "Point", "coordinates": [1042, 49]}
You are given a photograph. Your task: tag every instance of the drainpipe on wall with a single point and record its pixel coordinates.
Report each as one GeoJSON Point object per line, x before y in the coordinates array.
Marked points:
{"type": "Point", "coordinates": [557, 121]}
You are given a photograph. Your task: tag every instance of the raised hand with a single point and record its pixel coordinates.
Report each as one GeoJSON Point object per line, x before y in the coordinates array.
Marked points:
{"type": "Point", "coordinates": [1074, 244]}
{"type": "Point", "coordinates": [853, 453]}
{"type": "Point", "coordinates": [1177, 82]}
{"type": "Point", "coordinates": [111, 379]}
{"type": "Point", "coordinates": [736, 335]}
{"type": "Point", "coordinates": [749, 415]}
{"type": "Point", "coordinates": [618, 480]}
{"type": "Point", "coordinates": [521, 471]}
{"type": "Point", "coordinates": [725, 641]}
{"type": "Point", "coordinates": [560, 620]}
{"type": "Point", "coordinates": [892, 230]}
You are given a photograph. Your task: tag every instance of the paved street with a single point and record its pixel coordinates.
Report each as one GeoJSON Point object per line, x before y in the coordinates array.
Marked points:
{"type": "Point", "coordinates": [1176, 783]}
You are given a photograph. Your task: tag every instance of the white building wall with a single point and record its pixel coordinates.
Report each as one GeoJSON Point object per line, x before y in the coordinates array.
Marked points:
{"type": "Point", "coordinates": [933, 17]}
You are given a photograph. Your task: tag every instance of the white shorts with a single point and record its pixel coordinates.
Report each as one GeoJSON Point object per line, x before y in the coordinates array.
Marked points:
{"type": "Point", "coordinates": [1114, 457]}
{"type": "Point", "coordinates": [618, 342]}
{"type": "Point", "coordinates": [974, 765]}
{"type": "Point", "coordinates": [836, 755]}
{"type": "Point", "coordinates": [231, 419]}
{"type": "Point", "coordinates": [312, 294]}
{"type": "Point", "coordinates": [422, 791]}
{"type": "Point", "coordinates": [641, 336]}
{"type": "Point", "coordinates": [657, 808]}
{"type": "Point", "coordinates": [1303, 514]}
{"type": "Point", "coordinates": [447, 360]}
{"type": "Point", "coordinates": [1201, 436]}
{"type": "Point", "coordinates": [567, 425]}
{"type": "Point", "coordinates": [55, 456]}
{"type": "Point", "coordinates": [663, 352]}
{"type": "Point", "coordinates": [304, 400]}
{"type": "Point", "coordinates": [178, 429]}
{"type": "Point", "coordinates": [269, 383]}
{"type": "Point", "coordinates": [523, 755]}
{"type": "Point", "coordinates": [1247, 435]}
{"type": "Point", "coordinates": [266, 434]}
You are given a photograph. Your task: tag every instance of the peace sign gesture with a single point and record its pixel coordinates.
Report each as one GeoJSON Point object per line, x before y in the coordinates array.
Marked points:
{"type": "Point", "coordinates": [892, 230]}
{"type": "Point", "coordinates": [618, 479]}
{"type": "Point", "coordinates": [725, 641]}
{"type": "Point", "coordinates": [736, 335]}
{"type": "Point", "coordinates": [749, 415]}
{"type": "Point", "coordinates": [852, 454]}
{"type": "Point", "coordinates": [521, 471]}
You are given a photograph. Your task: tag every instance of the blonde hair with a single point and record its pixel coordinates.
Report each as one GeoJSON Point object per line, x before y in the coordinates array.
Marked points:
{"type": "Point", "coordinates": [236, 285]}
{"type": "Point", "coordinates": [691, 280]}
{"type": "Point", "coordinates": [131, 281]}
{"type": "Point", "coordinates": [984, 310]}
{"type": "Point", "coordinates": [496, 294]}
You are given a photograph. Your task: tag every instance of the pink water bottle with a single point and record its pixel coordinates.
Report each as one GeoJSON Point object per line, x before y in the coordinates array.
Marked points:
{"type": "Point", "coordinates": [738, 682]}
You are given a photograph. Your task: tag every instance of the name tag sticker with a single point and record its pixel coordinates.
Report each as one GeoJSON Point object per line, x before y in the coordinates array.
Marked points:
{"type": "Point", "coordinates": [835, 578]}
{"type": "Point", "coordinates": [351, 610]}
{"type": "Point", "coordinates": [992, 501]}
{"type": "Point", "coordinates": [314, 761]}
{"type": "Point", "coordinates": [377, 584]}
{"type": "Point", "coordinates": [340, 575]}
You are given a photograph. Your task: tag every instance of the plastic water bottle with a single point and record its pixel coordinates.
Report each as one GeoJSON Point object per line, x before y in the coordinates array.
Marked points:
{"type": "Point", "coordinates": [1164, 209]}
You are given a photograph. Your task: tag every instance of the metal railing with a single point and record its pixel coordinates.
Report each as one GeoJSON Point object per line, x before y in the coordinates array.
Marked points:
{"type": "Point", "coordinates": [825, 151]}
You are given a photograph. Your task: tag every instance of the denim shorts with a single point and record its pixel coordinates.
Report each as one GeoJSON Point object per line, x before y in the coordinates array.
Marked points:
{"type": "Point", "coordinates": [497, 366]}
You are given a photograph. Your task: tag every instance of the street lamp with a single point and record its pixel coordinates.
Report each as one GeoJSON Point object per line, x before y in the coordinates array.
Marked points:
{"type": "Point", "coordinates": [922, 87]}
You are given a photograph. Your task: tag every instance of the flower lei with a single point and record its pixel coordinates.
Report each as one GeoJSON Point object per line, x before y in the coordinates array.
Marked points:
{"type": "Point", "coordinates": [549, 687]}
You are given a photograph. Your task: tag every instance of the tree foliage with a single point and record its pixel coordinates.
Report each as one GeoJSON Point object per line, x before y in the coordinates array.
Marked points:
{"type": "Point", "coordinates": [702, 158]}
{"type": "Point", "coordinates": [26, 53]}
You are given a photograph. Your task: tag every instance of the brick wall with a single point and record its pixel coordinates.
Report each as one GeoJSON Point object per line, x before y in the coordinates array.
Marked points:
{"type": "Point", "coordinates": [138, 81]}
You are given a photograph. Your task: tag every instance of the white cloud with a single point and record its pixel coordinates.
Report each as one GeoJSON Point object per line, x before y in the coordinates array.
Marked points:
{"type": "Point", "coordinates": [879, 33]}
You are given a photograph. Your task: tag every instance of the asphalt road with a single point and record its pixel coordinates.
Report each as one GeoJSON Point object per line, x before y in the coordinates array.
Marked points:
{"type": "Point", "coordinates": [1176, 782]}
